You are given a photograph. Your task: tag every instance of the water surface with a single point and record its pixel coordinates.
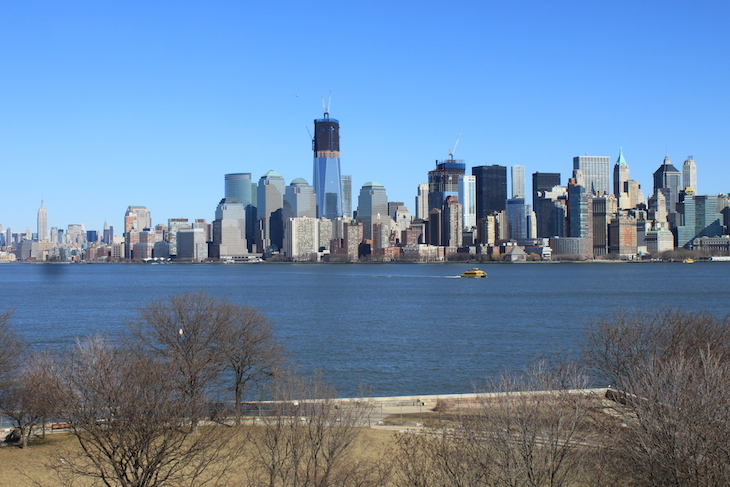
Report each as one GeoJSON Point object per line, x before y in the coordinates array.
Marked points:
{"type": "Point", "coordinates": [398, 328]}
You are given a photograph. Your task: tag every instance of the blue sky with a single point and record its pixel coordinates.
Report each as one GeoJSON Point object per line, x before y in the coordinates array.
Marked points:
{"type": "Point", "coordinates": [110, 104]}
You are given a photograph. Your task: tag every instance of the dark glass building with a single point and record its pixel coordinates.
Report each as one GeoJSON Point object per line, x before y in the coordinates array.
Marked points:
{"type": "Point", "coordinates": [491, 189]}
{"type": "Point", "coordinates": [543, 207]}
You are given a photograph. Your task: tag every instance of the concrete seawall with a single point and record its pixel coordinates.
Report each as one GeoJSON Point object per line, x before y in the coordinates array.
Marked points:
{"type": "Point", "coordinates": [430, 401]}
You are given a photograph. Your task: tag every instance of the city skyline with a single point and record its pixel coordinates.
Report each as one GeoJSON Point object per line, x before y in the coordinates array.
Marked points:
{"type": "Point", "coordinates": [103, 118]}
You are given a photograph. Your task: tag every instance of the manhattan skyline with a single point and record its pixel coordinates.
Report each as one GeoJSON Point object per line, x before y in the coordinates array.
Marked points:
{"type": "Point", "coordinates": [113, 105]}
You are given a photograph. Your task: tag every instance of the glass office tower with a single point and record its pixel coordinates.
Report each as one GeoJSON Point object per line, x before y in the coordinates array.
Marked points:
{"type": "Point", "coordinates": [327, 177]}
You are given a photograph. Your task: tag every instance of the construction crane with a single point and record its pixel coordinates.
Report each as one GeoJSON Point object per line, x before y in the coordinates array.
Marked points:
{"type": "Point", "coordinates": [451, 153]}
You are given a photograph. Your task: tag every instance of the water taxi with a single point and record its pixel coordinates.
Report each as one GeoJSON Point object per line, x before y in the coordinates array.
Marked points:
{"type": "Point", "coordinates": [475, 272]}
{"type": "Point", "coordinates": [689, 261]}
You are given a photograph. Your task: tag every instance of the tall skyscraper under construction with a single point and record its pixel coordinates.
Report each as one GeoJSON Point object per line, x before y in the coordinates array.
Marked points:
{"type": "Point", "coordinates": [327, 178]}
{"type": "Point", "coordinates": [444, 181]}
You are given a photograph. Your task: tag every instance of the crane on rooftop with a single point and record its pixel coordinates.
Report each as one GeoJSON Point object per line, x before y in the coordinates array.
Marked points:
{"type": "Point", "coordinates": [451, 152]}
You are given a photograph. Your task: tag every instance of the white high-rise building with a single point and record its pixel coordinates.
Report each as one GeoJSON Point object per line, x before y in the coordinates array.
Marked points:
{"type": "Point", "coordinates": [422, 202]}
{"type": "Point", "coordinates": [347, 196]}
{"type": "Point", "coordinates": [325, 232]}
{"type": "Point", "coordinates": [301, 238]}
{"type": "Point", "coordinates": [43, 235]}
{"type": "Point", "coordinates": [596, 173]}
{"type": "Point", "coordinates": [518, 181]}
{"type": "Point", "coordinates": [689, 175]}
{"type": "Point", "coordinates": [468, 200]}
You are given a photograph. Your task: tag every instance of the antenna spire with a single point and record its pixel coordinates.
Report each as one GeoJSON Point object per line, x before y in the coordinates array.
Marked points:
{"type": "Point", "coordinates": [326, 109]}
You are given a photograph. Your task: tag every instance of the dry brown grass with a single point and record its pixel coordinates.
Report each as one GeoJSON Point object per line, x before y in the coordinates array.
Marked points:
{"type": "Point", "coordinates": [30, 467]}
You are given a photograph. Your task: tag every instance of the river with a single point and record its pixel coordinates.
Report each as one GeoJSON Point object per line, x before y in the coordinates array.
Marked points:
{"type": "Point", "coordinates": [397, 329]}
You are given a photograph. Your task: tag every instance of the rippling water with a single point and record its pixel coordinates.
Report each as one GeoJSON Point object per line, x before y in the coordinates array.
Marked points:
{"type": "Point", "coordinates": [398, 328]}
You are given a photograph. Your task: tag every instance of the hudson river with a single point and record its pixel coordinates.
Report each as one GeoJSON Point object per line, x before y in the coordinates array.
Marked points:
{"type": "Point", "coordinates": [402, 329]}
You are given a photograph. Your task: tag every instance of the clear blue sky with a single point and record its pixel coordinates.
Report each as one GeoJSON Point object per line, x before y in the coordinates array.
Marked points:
{"type": "Point", "coordinates": [109, 104]}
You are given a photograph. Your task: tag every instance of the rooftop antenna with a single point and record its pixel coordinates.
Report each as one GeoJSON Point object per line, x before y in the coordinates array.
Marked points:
{"type": "Point", "coordinates": [327, 108]}
{"type": "Point", "coordinates": [451, 153]}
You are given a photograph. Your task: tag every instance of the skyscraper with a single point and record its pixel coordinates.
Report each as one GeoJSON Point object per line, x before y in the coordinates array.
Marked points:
{"type": "Point", "coordinates": [299, 200]}
{"type": "Point", "coordinates": [270, 211]}
{"type": "Point", "coordinates": [543, 181]}
{"type": "Point", "coordinates": [689, 176]}
{"type": "Point", "coordinates": [452, 224]}
{"type": "Point", "coordinates": [108, 235]}
{"type": "Point", "coordinates": [173, 226]}
{"type": "Point", "coordinates": [621, 180]}
{"type": "Point", "coordinates": [43, 235]}
{"type": "Point", "coordinates": [543, 202]}
{"type": "Point", "coordinates": [238, 185]}
{"type": "Point", "coordinates": [580, 213]}
{"type": "Point", "coordinates": [422, 202]}
{"type": "Point", "coordinates": [444, 181]}
{"type": "Point", "coordinates": [347, 196]}
{"type": "Point", "coordinates": [491, 191]}
{"type": "Point", "coordinates": [372, 204]}
{"type": "Point", "coordinates": [468, 200]}
{"type": "Point", "coordinates": [517, 218]}
{"type": "Point", "coordinates": [518, 181]}
{"type": "Point", "coordinates": [327, 179]}
{"type": "Point", "coordinates": [596, 173]}
{"type": "Point", "coordinates": [137, 218]}
{"type": "Point", "coordinates": [667, 180]}
{"type": "Point", "coordinates": [241, 187]}
{"type": "Point", "coordinates": [700, 218]}
{"type": "Point", "coordinates": [229, 230]}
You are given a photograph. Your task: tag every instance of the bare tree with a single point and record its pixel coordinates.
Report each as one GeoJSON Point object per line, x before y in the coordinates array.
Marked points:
{"type": "Point", "coordinates": [200, 336]}
{"type": "Point", "coordinates": [672, 374]}
{"type": "Point", "coordinates": [131, 422]}
{"type": "Point", "coordinates": [413, 461]}
{"type": "Point", "coordinates": [539, 425]}
{"type": "Point", "coordinates": [13, 345]}
{"type": "Point", "coordinates": [184, 331]}
{"type": "Point", "coordinates": [531, 430]}
{"type": "Point", "coordinates": [28, 394]}
{"type": "Point", "coordinates": [673, 429]}
{"type": "Point", "coordinates": [307, 438]}
{"type": "Point", "coordinates": [615, 347]}
{"type": "Point", "coordinates": [444, 456]}
{"type": "Point", "coordinates": [249, 350]}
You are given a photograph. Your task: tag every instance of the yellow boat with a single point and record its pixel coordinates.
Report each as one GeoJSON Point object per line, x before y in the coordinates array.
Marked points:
{"type": "Point", "coordinates": [475, 272]}
{"type": "Point", "coordinates": [689, 261]}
